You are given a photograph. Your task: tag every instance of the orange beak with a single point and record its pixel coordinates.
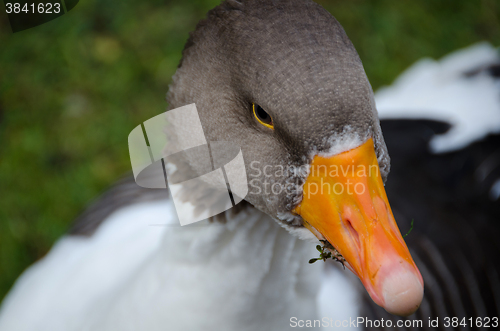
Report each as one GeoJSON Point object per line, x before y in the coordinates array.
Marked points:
{"type": "Point", "coordinates": [344, 202]}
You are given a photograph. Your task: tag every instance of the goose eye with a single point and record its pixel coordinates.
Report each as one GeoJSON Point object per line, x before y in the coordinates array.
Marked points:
{"type": "Point", "coordinates": [262, 116]}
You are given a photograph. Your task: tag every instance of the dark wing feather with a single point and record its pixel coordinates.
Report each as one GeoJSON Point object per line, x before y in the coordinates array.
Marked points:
{"type": "Point", "coordinates": [456, 221]}
{"type": "Point", "coordinates": [124, 193]}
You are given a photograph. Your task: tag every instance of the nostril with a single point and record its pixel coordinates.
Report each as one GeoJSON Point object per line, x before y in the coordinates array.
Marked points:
{"type": "Point", "coordinates": [354, 233]}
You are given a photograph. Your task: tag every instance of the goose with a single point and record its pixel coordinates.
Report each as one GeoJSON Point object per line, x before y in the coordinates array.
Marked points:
{"type": "Point", "coordinates": [282, 81]}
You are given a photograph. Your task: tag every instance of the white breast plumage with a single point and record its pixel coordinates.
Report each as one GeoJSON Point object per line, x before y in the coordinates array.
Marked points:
{"type": "Point", "coordinates": [141, 270]}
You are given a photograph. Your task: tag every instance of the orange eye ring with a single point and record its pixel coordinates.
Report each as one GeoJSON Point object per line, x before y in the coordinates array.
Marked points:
{"type": "Point", "coordinates": [262, 116]}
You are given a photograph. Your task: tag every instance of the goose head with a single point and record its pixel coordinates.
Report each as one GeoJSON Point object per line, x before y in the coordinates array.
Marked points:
{"type": "Point", "coordinates": [282, 81]}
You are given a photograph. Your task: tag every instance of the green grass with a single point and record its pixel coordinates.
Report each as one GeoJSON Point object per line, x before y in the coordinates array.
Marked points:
{"type": "Point", "coordinates": [71, 91]}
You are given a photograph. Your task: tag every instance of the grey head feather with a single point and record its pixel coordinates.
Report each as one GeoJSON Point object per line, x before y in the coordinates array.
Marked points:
{"type": "Point", "coordinates": [293, 59]}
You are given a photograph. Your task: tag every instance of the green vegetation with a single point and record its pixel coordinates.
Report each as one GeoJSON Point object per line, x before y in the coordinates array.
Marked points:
{"type": "Point", "coordinates": [71, 91]}
{"type": "Point", "coordinates": [327, 251]}
{"type": "Point", "coordinates": [411, 228]}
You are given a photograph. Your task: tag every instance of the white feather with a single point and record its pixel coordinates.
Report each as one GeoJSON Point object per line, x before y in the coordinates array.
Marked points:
{"type": "Point", "coordinates": [134, 274]}
{"type": "Point", "coordinates": [440, 90]}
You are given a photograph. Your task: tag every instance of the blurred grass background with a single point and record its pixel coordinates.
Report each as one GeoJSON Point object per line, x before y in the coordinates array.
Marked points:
{"type": "Point", "coordinates": [71, 91]}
